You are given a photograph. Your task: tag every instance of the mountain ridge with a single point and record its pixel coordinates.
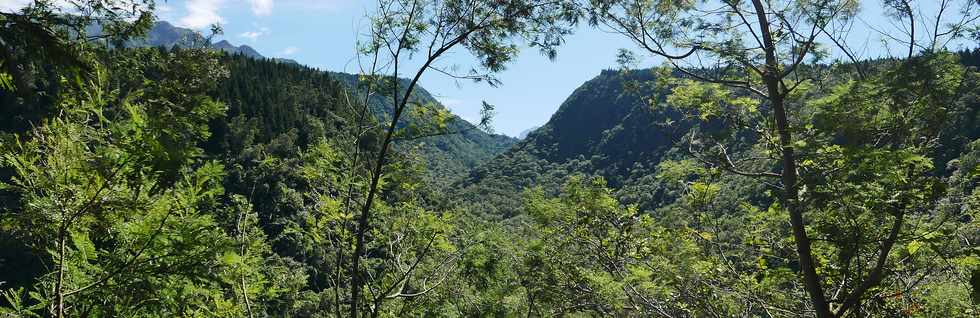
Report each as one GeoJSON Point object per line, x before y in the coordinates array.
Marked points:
{"type": "Point", "coordinates": [454, 153]}
{"type": "Point", "coordinates": [616, 125]}
{"type": "Point", "coordinates": [523, 134]}
{"type": "Point", "coordinates": [602, 128]}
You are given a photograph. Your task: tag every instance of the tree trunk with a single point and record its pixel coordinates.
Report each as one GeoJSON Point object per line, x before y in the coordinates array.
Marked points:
{"type": "Point", "coordinates": [242, 224]}
{"type": "Point", "coordinates": [790, 200]}
{"type": "Point", "coordinates": [363, 221]}
{"type": "Point", "coordinates": [790, 195]}
{"type": "Point", "coordinates": [59, 285]}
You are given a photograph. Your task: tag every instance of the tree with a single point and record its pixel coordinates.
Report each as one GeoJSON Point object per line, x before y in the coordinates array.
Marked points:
{"type": "Point", "coordinates": [405, 29]}
{"type": "Point", "coordinates": [751, 65]}
{"type": "Point", "coordinates": [47, 39]}
{"type": "Point", "coordinates": [589, 253]}
{"type": "Point", "coordinates": [110, 188]}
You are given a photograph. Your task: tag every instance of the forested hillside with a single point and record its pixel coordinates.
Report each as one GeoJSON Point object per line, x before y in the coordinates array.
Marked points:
{"type": "Point", "coordinates": [619, 126]}
{"type": "Point", "coordinates": [164, 34]}
{"type": "Point", "coordinates": [145, 172]}
{"type": "Point", "coordinates": [607, 127]}
{"type": "Point", "coordinates": [195, 178]}
{"type": "Point", "coordinates": [451, 154]}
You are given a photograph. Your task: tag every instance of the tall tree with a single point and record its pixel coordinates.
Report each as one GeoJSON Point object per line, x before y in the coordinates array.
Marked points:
{"type": "Point", "coordinates": [114, 189]}
{"type": "Point", "coordinates": [46, 39]}
{"type": "Point", "coordinates": [747, 63]}
{"type": "Point", "coordinates": [412, 37]}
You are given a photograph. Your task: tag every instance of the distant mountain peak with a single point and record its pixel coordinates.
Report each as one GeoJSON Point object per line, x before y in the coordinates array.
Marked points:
{"type": "Point", "coordinates": [249, 51]}
{"type": "Point", "coordinates": [524, 133]}
{"type": "Point", "coordinates": [166, 34]}
{"type": "Point", "coordinates": [454, 154]}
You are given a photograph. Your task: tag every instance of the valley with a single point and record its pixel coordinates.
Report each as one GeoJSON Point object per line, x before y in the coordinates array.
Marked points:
{"type": "Point", "coordinates": [758, 167]}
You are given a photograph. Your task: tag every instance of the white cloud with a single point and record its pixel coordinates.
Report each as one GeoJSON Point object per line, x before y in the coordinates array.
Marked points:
{"type": "Point", "coordinates": [128, 13]}
{"type": "Point", "coordinates": [261, 7]}
{"type": "Point", "coordinates": [251, 35]}
{"type": "Point", "coordinates": [289, 50]}
{"type": "Point", "coordinates": [254, 35]}
{"type": "Point", "coordinates": [201, 14]}
{"type": "Point", "coordinates": [62, 6]}
{"type": "Point", "coordinates": [13, 5]}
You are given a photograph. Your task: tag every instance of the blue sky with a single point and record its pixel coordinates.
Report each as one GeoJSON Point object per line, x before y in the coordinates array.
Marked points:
{"type": "Point", "coordinates": [323, 33]}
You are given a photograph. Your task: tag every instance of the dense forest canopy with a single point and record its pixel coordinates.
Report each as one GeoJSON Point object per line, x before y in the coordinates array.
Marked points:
{"type": "Point", "coordinates": [148, 172]}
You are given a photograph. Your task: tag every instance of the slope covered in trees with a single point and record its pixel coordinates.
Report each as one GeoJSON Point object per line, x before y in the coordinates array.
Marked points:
{"type": "Point", "coordinates": [182, 181]}
{"type": "Point", "coordinates": [450, 155]}
{"type": "Point", "coordinates": [205, 182]}
{"type": "Point", "coordinates": [185, 181]}
{"type": "Point", "coordinates": [624, 136]}
{"type": "Point", "coordinates": [460, 145]}
{"type": "Point", "coordinates": [619, 126]}
{"type": "Point", "coordinates": [603, 128]}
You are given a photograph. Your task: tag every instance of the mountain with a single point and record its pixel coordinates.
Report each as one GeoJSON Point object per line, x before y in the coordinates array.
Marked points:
{"type": "Point", "coordinates": [526, 132]}
{"type": "Point", "coordinates": [453, 155]}
{"type": "Point", "coordinates": [602, 128]}
{"type": "Point", "coordinates": [168, 35]}
{"type": "Point", "coordinates": [609, 127]}
{"type": "Point", "coordinates": [245, 50]}
{"type": "Point", "coordinates": [448, 156]}
{"type": "Point", "coordinates": [165, 34]}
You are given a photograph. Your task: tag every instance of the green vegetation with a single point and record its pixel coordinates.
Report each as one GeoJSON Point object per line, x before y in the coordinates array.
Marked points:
{"type": "Point", "coordinates": [147, 177]}
{"type": "Point", "coordinates": [450, 152]}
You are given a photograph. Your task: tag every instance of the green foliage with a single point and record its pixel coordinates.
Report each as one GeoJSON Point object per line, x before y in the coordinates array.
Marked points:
{"type": "Point", "coordinates": [604, 128]}
{"type": "Point", "coordinates": [590, 254]}
{"type": "Point", "coordinates": [289, 99]}
{"type": "Point", "coordinates": [710, 100]}
{"type": "Point", "coordinates": [451, 145]}
{"type": "Point", "coordinates": [175, 182]}
{"type": "Point", "coordinates": [47, 41]}
{"type": "Point", "coordinates": [872, 149]}
{"type": "Point", "coordinates": [95, 200]}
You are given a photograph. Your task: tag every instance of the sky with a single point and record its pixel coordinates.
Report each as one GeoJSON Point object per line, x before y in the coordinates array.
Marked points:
{"type": "Point", "coordinates": [323, 34]}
